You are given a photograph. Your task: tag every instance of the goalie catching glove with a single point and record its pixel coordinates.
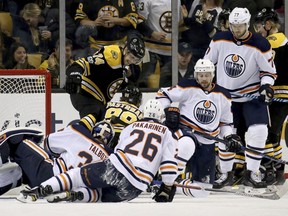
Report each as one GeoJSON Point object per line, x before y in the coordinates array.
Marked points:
{"type": "Point", "coordinates": [266, 93]}
{"type": "Point", "coordinates": [73, 83]}
{"type": "Point", "coordinates": [233, 143]}
{"type": "Point", "coordinates": [165, 193]}
{"type": "Point", "coordinates": [172, 115]}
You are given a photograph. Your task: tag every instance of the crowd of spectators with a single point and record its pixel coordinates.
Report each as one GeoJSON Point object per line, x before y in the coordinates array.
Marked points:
{"type": "Point", "coordinates": [90, 26]}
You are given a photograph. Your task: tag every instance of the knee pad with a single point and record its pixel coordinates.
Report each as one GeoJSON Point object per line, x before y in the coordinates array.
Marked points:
{"type": "Point", "coordinates": [256, 135]}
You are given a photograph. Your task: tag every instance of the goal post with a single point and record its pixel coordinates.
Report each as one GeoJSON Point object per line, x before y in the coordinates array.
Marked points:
{"type": "Point", "coordinates": [25, 97]}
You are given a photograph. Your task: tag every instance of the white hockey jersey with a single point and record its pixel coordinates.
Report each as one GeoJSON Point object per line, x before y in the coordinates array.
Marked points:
{"type": "Point", "coordinates": [242, 66]}
{"type": "Point", "coordinates": [206, 112]}
{"type": "Point", "coordinates": [145, 147]}
{"type": "Point", "coordinates": [158, 15]}
{"type": "Point", "coordinates": [73, 147]}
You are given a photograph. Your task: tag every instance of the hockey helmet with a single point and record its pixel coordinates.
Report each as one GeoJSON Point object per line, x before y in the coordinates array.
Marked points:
{"type": "Point", "coordinates": [132, 94]}
{"type": "Point", "coordinates": [104, 132]}
{"type": "Point", "coordinates": [153, 109]}
{"type": "Point", "coordinates": [204, 65]}
{"type": "Point", "coordinates": [223, 16]}
{"type": "Point", "coordinates": [240, 16]}
{"type": "Point", "coordinates": [266, 14]}
{"type": "Point", "coordinates": [136, 45]}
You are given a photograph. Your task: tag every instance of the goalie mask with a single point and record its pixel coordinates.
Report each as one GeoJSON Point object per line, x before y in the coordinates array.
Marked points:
{"type": "Point", "coordinates": [104, 132]}
{"type": "Point", "coordinates": [132, 95]}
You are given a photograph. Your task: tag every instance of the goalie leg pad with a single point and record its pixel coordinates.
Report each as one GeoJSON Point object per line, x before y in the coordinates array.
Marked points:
{"type": "Point", "coordinates": [16, 135]}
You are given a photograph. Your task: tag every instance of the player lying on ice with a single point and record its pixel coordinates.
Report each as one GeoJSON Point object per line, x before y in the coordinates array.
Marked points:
{"type": "Point", "coordinates": [144, 147]}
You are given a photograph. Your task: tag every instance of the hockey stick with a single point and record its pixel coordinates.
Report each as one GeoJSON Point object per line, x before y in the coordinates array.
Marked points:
{"type": "Point", "coordinates": [272, 193]}
{"type": "Point", "coordinates": [207, 136]}
{"type": "Point", "coordinates": [256, 97]}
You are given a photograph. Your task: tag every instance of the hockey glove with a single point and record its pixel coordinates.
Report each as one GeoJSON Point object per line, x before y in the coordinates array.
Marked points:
{"type": "Point", "coordinates": [172, 118]}
{"type": "Point", "coordinates": [234, 143]}
{"type": "Point", "coordinates": [73, 83]}
{"type": "Point", "coordinates": [266, 94]}
{"type": "Point", "coordinates": [165, 193]}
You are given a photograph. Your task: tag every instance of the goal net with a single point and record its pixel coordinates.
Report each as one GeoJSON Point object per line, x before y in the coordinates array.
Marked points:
{"type": "Point", "coordinates": [25, 97]}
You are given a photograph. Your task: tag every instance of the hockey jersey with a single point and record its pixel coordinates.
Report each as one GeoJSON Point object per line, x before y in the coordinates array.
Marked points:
{"type": "Point", "coordinates": [279, 43]}
{"type": "Point", "coordinates": [203, 111]}
{"type": "Point", "coordinates": [107, 35]}
{"type": "Point", "coordinates": [158, 16]}
{"type": "Point", "coordinates": [242, 65]}
{"type": "Point", "coordinates": [102, 73]}
{"type": "Point", "coordinates": [124, 114]}
{"type": "Point", "coordinates": [74, 147]}
{"type": "Point", "coordinates": [144, 148]}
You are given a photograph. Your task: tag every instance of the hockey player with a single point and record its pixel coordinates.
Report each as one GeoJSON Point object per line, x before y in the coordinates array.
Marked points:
{"type": "Point", "coordinates": [267, 24]}
{"type": "Point", "coordinates": [244, 65]}
{"type": "Point", "coordinates": [92, 81]}
{"type": "Point", "coordinates": [72, 147]}
{"type": "Point", "coordinates": [205, 108]}
{"type": "Point", "coordinates": [120, 113]}
{"type": "Point", "coordinates": [144, 147]}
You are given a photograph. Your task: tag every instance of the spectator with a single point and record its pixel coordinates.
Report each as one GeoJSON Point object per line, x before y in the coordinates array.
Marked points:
{"type": "Point", "coordinates": [52, 64]}
{"type": "Point", "coordinates": [185, 66]}
{"type": "Point", "coordinates": [5, 43]}
{"type": "Point", "coordinates": [158, 18]}
{"type": "Point", "coordinates": [25, 27]}
{"type": "Point", "coordinates": [111, 20]}
{"type": "Point", "coordinates": [17, 58]}
{"type": "Point", "coordinates": [202, 22]}
{"type": "Point", "coordinates": [49, 29]}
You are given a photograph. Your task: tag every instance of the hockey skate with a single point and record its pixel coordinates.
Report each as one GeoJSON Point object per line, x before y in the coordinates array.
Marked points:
{"type": "Point", "coordinates": [253, 179]}
{"type": "Point", "coordinates": [226, 179]}
{"type": "Point", "coordinates": [33, 194]}
{"type": "Point", "coordinates": [67, 196]}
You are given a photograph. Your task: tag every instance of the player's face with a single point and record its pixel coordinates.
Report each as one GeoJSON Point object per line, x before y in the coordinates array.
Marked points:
{"type": "Point", "coordinates": [259, 28]}
{"type": "Point", "coordinates": [239, 30]}
{"type": "Point", "coordinates": [129, 58]}
{"type": "Point", "coordinates": [205, 80]}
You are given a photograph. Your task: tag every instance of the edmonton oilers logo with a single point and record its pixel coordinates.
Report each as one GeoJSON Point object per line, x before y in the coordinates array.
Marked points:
{"type": "Point", "coordinates": [205, 112]}
{"type": "Point", "coordinates": [234, 65]}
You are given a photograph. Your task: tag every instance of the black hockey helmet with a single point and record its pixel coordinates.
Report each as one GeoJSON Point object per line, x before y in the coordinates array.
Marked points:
{"type": "Point", "coordinates": [224, 15]}
{"type": "Point", "coordinates": [132, 94]}
{"type": "Point", "coordinates": [266, 14]}
{"type": "Point", "coordinates": [135, 44]}
{"type": "Point", "coordinates": [104, 132]}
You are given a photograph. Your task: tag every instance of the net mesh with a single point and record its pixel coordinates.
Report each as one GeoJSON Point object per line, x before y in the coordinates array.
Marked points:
{"type": "Point", "coordinates": [24, 101]}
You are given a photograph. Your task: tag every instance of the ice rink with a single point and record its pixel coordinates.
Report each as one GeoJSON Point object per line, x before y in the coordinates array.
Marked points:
{"type": "Point", "coordinates": [218, 204]}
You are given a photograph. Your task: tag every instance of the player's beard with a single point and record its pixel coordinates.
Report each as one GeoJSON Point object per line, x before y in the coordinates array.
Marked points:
{"type": "Point", "coordinates": [205, 85]}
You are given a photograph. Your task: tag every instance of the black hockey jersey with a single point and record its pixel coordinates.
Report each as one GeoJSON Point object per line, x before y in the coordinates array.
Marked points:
{"type": "Point", "coordinates": [102, 73]}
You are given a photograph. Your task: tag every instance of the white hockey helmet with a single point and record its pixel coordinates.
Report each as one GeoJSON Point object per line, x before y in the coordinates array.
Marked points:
{"type": "Point", "coordinates": [153, 109]}
{"type": "Point", "coordinates": [240, 16]}
{"type": "Point", "coordinates": [204, 65]}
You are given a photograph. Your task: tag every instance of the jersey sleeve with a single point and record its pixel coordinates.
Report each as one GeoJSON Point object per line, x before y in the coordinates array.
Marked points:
{"type": "Point", "coordinates": [212, 52]}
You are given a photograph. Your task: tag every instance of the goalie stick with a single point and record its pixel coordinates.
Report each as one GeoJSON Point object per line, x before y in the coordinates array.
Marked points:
{"type": "Point", "coordinates": [207, 136]}
{"type": "Point", "coordinates": [271, 192]}
{"type": "Point", "coordinates": [256, 97]}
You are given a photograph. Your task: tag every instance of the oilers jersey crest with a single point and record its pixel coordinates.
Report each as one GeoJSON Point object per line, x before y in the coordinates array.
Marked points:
{"type": "Point", "coordinates": [245, 64]}
{"type": "Point", "coordinates": [206, 112]}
